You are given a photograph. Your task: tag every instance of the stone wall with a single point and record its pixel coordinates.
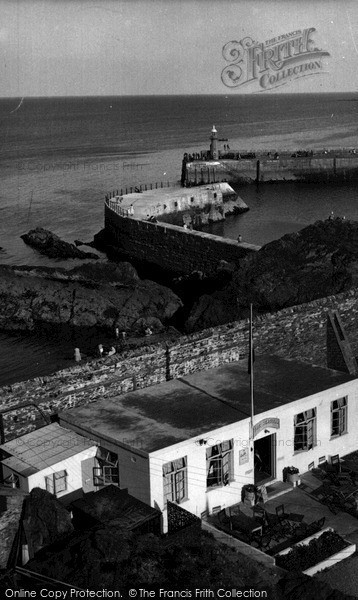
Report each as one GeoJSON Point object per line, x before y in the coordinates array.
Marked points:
{"type": "Point", "coordinates": [171, 247]}
{"type": "Point", "coordinates": [283, 169]}
{"type": "Point", "coordinates": [296, 333]}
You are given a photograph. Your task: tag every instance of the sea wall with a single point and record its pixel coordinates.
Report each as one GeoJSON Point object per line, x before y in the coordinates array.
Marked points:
{"type": "Point", "coordinates": [295, 333]}
{"type": "Point", "coordinates": [286, 168]}
{"type": "Point", "coordinates": [171, 247]}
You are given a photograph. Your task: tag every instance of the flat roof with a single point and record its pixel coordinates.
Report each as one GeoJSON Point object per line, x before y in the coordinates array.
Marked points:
{"type": "Point", "coordinates": [43, 448]}
{"type": "Point", "coordinates": [162, 415]}
{"type": "Point", "coordinates": [146, 199]}
{"type": "Point", "coordinates": [112, 504]}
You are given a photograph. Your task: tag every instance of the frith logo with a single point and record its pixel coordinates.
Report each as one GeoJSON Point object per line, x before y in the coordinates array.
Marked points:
{"type": "Point", "coordinates": [272, 63]}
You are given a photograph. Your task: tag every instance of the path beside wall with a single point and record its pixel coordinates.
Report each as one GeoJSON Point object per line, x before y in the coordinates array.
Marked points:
{"type": "Point", "coordinates": [296, 333]}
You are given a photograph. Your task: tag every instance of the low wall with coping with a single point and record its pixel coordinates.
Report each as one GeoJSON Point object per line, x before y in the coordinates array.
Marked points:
{"type": "Point", "coordinates": [297, 333]}
{"type": "Point", "coordinates": [238, 545]}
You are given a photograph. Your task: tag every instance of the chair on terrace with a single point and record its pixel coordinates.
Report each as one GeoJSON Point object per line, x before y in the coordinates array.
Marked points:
{"type": "Point", "coordinates": [284, 519]}
{"type": "Point", "coordinates": [260, 515]}
{"type": "Point", "coordinates": [216, 510]}
{"type": "Point", "coordinates": [335, 465]}
{"type": "Point", "coordinates": [224, 518]}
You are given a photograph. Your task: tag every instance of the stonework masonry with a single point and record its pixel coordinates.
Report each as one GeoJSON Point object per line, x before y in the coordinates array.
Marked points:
{"type": "Point", "coordinates": [317, 168]}
{"type": "Point", "coordinates": [171, 247]}
{"type": "Point", "coordinates": [296, 333]}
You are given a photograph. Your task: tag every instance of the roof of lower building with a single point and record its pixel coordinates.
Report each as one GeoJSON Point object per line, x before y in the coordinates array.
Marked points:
{"type": "Point", "coordinates": [112, 504]}
{"type": "Point", "coordinates": [162, 415]}
{"type": "Point", "coordinates": [43, 448]}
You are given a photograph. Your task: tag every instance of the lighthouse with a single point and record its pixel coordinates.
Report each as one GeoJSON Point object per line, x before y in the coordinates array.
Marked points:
{"type": "Point", "coordinates": [214, 144]}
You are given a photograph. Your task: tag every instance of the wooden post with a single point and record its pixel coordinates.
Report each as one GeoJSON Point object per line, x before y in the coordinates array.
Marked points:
{"type": "Point", "coordinates": [258, 171]}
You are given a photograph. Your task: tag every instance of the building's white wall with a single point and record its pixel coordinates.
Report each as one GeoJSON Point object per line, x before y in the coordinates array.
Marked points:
{"type": "Point", "coordinates": [326, 446]}
{"type": "Point", "coordinates": [74, 472]}
{"type": "Point", "coordinates": [133, 465]}
{"type": "Point", "coordinates": [200, 498]}
{"type": "Point", "coordinates": [134, 474]}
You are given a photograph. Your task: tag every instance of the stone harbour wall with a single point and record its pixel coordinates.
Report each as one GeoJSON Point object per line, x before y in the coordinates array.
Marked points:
{"type": "Point", "coordinates": [259, 170]}
{"type": "Point", "coordinates": [171, 247]}
{"type": "Point", "coordinates": [296, 333]}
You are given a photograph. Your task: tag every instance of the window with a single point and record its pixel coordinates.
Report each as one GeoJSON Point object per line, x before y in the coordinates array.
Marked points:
{"type": "Point", "coordinates": [339, 417]}
{"type": "Point", "coordinates": [219, 464]}
{"type": "Point", "coordinates": [107, 471]}
{"type": "Point", "coordinates": [12, 481]}
{"type": "Point", "coordinates": [56, 482]}
{"type": "Point", "coordinates": [175, 480]}
{"type": "Point", "coordinates": [305, 430]}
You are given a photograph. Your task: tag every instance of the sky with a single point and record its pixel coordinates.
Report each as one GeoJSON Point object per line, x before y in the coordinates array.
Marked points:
{"type": "Point", "coordinates": [131, 47]}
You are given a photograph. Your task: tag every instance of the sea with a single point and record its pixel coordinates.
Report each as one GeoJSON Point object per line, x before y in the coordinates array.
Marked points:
{"type": "Point", "coordinates": [59, 157]}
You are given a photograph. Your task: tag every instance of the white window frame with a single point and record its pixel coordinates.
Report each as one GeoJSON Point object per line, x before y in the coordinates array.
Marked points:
{"type": "Point", "coordinates": [219, 464]}
{"type": "Point", "coordinates": [339, 412]}
{"type": "Point", "coordinates": [56, 482]}
{"type": "Point", "coordinates": [175, 480]}
{"type": "Point", "coordinates": [12, 480]}
{"type": "Point", "coordinates": [305, 430]}
{"type": "Point", "coordinates": [106, 473]}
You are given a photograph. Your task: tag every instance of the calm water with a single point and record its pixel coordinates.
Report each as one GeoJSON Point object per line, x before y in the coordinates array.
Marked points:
{"type": "Point", "coordinates": [59, 157]}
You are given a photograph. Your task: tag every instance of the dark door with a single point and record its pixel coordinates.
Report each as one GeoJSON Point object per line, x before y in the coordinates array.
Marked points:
{"type": "Point", "coordinates": [264, 459]}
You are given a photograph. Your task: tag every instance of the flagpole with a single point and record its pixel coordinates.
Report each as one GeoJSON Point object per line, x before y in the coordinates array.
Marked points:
{"type": "Point", "coordinates": [251, 374]}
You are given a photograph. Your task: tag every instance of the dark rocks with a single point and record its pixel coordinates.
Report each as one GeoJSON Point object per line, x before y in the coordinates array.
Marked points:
{"type": "Point", "coordinates": [46, 519]}
{"type": "Point", "coordinates": [52, 246]}
{"type": "Point", "coordinates": [320, 260]}
{"type": "Point", "coordinates": [102, 295]}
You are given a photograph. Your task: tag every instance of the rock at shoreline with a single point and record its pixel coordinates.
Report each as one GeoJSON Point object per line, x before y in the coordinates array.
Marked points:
{"type": "Point", "coordinates": [320, 260]}
{"type": "Point", "coordinates": [104, 296]}
{"type": "Point", "coordinates": [51, 245]}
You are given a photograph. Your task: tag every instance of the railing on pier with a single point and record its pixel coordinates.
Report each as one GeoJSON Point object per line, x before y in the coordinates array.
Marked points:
{"type": "Point", "coordinates": [114, 204]}
{"type": "Point", "coordinates": [143, 187]}
{"type": "Point", "coordinates": [235, 154]}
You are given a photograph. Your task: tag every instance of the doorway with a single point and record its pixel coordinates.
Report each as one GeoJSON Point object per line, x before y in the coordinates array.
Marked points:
{"type": "Point", "coordinates": [265, 459]}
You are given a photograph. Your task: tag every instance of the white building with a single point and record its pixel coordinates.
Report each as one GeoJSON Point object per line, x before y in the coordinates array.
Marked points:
{"type": "Point", "coordinates": [52, 458]}
{"type": "Point", "coordinates": [190, 440]}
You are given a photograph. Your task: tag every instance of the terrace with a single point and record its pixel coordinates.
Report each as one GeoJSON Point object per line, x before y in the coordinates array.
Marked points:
{"type": "Point", "coordinates": [288, 518]}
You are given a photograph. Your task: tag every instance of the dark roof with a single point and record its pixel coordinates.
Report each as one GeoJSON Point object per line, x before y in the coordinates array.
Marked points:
{"type": "Point", "coordinates": [112, 505]}
{"type": "Point", "coordinates": [162, 415]}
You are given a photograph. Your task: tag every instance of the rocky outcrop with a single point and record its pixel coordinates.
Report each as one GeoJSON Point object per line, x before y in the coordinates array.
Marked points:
{"type": "Point", "coordinates": [45, 520]}
{"type": "Point", "coordinates": [318, 261]}
{"type": "Point", "coordinates": [52, 246]}
{"type": "Point", "coordinates": [102, 295]}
